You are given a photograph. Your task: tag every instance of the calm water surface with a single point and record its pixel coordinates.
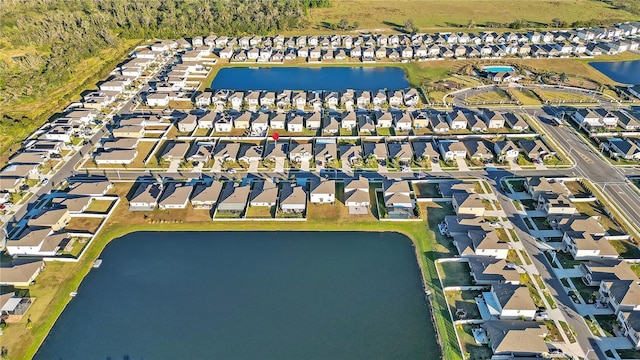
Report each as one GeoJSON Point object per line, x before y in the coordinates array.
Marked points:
{"type": "Point", "coordinates": [304, 78]}
{"type": "Point", "coordinates": [626, 72]}
{"type": "Point", "coordinates": [249, 295]}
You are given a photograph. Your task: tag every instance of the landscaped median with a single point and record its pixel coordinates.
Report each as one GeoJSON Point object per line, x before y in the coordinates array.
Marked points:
{"type": "Point", "coordinates": [59, 279]}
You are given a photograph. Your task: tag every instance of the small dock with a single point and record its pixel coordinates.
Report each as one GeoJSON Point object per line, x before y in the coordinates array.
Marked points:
{"type": "Point", "coordinates": [97, 263]}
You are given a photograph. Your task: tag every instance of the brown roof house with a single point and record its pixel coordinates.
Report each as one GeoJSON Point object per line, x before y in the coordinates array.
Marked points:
{"type": "Point", "coordinates": [585, 238]}
{"type": "Point", "coordinates": [20, 273]}
{"type": "Point", "coordinates": [234, 198]}
{"type": "Point", "coordinates": [515, 338]}
{"type": "Point", "coordinates": [175, 196]}
{"type": "Point", "coordinates": [57, 218]}
{"type": "Point", "coordinates": [35, 241]}
{"type": "Point", "coordinates": [292, 198]}
{"type": "Point", "coordinates": [145, 197]}
{"type": "Point", "coordinates": [465, 203]}
{"type": "Point", "coordinates": [205, 196]}
{"type": "Point", "coordinates": [510, 302]}
{"type": "Point", "coordinates": [264, 193]}
{"type": "Point", "coordinates": [489, 270]}
{"type": "Point", "coordinates": [323, 192]}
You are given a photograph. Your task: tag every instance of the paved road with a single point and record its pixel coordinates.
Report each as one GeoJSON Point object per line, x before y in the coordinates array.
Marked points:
{"type": "Point", "coordinates": [590, 165]}
{"type": "Point", "coordinates": [584, 336]}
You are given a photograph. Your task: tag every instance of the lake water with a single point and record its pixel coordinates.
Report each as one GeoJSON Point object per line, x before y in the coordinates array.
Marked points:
{"type": "Point", "coordinates": [626, 72]}
{"type": "Point", "coordinates": [314, 78]}
{"type": "Point", "coordinates": [249, 295]}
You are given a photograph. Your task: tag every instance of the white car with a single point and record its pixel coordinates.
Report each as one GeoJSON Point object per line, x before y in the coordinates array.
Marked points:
{"type": "Point", "coordinates": [45, 182]}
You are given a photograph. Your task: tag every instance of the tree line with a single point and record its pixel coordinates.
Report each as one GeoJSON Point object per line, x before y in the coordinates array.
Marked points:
{"type": "Point", "coordinates": [65, 32]}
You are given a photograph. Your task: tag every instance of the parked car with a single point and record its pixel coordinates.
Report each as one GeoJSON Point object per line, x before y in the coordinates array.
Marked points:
{"type": "Point", "coordinates": [45, 181]}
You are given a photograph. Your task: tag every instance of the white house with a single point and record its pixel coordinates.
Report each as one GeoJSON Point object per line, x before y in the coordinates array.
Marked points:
{"type": "Point", "coordinates": [323, 192]}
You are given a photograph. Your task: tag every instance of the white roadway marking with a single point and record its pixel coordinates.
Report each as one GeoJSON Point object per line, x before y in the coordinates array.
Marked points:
{"type": "Point", "coordinates": [634, 209]}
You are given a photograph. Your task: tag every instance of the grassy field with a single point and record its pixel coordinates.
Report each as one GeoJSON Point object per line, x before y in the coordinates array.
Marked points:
{"type": "Point", "coordinates": [475, 350]}
{"type": "Point", "coordinates": [38, 110]}
{"type": "Point", "coordinates": [526, 97]}
{"type": "Point", "coordinates": [100, 206]}
{"type": "Point", "coordinates": [565, 97]}
{"type": "Point", "coordinates": [59, 279]}
{"type": "Point", "coordinates": [385, 15]}
{"type": "Point", "coordinates": [455, 274]}
{"type": "Point", "coordinates": [496, 96]}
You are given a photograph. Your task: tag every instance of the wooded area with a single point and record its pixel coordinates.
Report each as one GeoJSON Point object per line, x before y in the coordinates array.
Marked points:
{"type": "Point", "coordinates": [54, 36]}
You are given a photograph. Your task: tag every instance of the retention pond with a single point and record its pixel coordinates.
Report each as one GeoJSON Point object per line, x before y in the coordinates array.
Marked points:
{"type": "Point", "coordinates": [249, 295]}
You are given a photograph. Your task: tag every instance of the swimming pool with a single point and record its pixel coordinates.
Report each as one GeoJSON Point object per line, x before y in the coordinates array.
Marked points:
{"type": "Point", "coordinates": [496, 69]}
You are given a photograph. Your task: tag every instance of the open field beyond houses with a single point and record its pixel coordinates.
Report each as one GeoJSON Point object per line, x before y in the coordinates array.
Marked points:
{"type": "Point", "coordinates": [387, 14]}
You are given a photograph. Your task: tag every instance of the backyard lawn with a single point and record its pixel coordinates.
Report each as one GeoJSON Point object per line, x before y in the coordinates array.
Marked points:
{"type": "Point", "coordinates": [517, 185]}
{"type": "Point", "coordinates": [464, 300]}
{"type": "Point", "coordinates": [626, 249]}
{"type": "Point", "coordinates": [455, 274]}
{"type": "Point", "coordinates": [607, 322]}
{"type": "Point", "coordinates": [595, 208]}
{"type": "Point", "coordinates": [475, 350]}
{"type": "Point", "coordinates": [577, 189]}
{"type": "Point", "coordinates": [541, 223]}
{"type": "Point", "coordinates": [567, 260]}
{"type": "Point", "coordinates": [99, 206]}
{"type": "Point", "coordinates": [426, 190]}
{"type": "Point", "coordinates": [261, 212]}
{"type": "Point", "coordinates": [84, 224]}
{"type": "Point", "coordinates": [588, 293]}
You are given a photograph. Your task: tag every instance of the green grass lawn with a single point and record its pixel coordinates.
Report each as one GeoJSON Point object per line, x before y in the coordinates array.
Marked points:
{"type": "Point", "coordinates": [473, 349]}
{"type": "Point", "coordinates": [426, 190]}
{"type": "Point", "coordinates": [636, 269]}
{"type": "Point", "coordinates": [464, 300]}
{"type": "Point", "coordinates": [541, 223]}
{"type": "Point", "coordinates": [260, 212]}
{"type": "Point", "coordinates": [529, 204]}
{"type": "Point", "coordinates": [628, 353]}
{"type": "Point", "coordinates": [517, 185]}
{"type": "Point", "coordinates": [588, 293]}
{"type": "Point", "coordinates": [567, 260]}
{"type": "Point", "coordinates": [565, 96]}
{"type": "Point", "coordinates": [626, 249]}
{"type": "Point", "coordinates": [100, 206]}
{"type": "Point", "coordinates": [455, 274]}
{"type": "Point", "coordinates": [525, 279]}
{"type": "Point", "coordinates": [607, 323]}
{"type": "Point", "coordinates": [595, 208]}
{"type": "Point", "coordinates": [526, 97]}
{"type": "Point", "coordinates": [512, 256]}
{"type": "Point", "coordinates": [489, 97]}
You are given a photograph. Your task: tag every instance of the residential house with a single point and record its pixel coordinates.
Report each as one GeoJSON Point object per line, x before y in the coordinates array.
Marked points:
{"type": "Point", "coordinates": [175, 151]}
{"type": "Point", "coordinates": [476, 123]}
{"type": "Point", "coordinates": [452, 149]}
{"type": "Point", "coordinates": [515, 338]}
{"type": "Point", "coordinates": [479, 242]}
{"type": "Point", "coordinates": [624, 148]}
{"type": "Point", "coordinates": [175, 196]}
{"type": "Point", "coordinates": [351, 154]}
{"type": "Point", "coordinates": [264, 193]}
{"type": "Point", "coordinates": [425, 151]}
{"type": "Point", "coordinates": [439, 123]}
{"type": "Point", "coordinates": [489, 270]}
{"type": "Point", "coordinates": [465, 203]}
{"type": "Point", "coordinates": [596, 271]}
{"type": "Point", "coordinates": [313, 120]}
{"type": "Point", "coordinates": [260, 123]}
{"type": "Point", "coordinates": [510, 302]}
{"type": "Point", "coordinates": [384, 120]}
{"type": "Point", "coordinates": [506, 150]}
{"type": "Point", "coordinates": [325, 152]}
{"type": "Point", "coordinates": [457, 120]}
{"type": "Point", "coordinates": [516, 122]}
{"type": "Point", "coordinates": [234, 198]}
{"type": "Point", "coordinates": [225, 151]}
{"type": "Point", "coordinates": [35, 241]}
{"type": "Point", "coordinates": [330, 125]}
{"type": "Point", "coordinates": [535, 149]}
{"type": "Point", "coordinates": [478, 150]}
{"type": "Point", "coordinates": [630, 323]}
{"type": "Point", "coordinates": [242, 120]}
{"type": "Point", "coordinates": [402, 121]}
{"type": "Point", "coordinates": [585, 238]}
{"type": "Point", "coordinates": [620, 295]}
{"type": "Point", "coordinates": [300, 152]}
{"type": "Point", "coordinates": [537, 186]}
{"type": "Point", "coordinates": [277, 121]}
{"type": "Point", "coordinates": [205, 196]}
{"type": "Point", "coordinates": [145, 198]}
{"type": "Point", "coordinates": [400, 151]}
{"type": "Point", "coordinates": [494, 119]}
{"type": "Point", "coordinates": [377, 150]}
{"type": "Point", "coordinates": [187, 124]}
{"type": "Point", "coordinates": [292, 198]}
{"type": "Point", "coordinates": [349, 120]}
{"type": "Point", "coordinates": [223, 123]}
{"type": "Point", "coordinates": [295, 123]}
{"type": "Point", "coordinates": [556, 204]}
{"type": "Point", "coordinates": [21, 273]}
{"type": "Point", "coordinates": [323, 192]}
{"type": "Point", "coordinates": [366, 124]}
